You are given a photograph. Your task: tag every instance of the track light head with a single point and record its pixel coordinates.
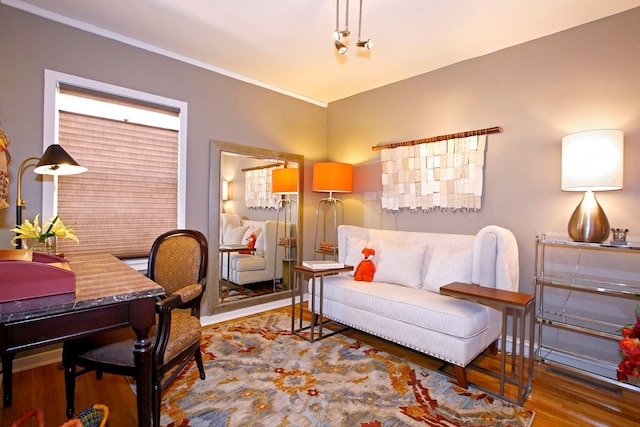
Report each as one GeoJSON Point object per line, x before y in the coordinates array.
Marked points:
{"type": "Point", "coordinates": [366, 44]}
{"type": "Point", "coordinates": [339, 35]}
{"type": "Point", "coordinates": [341, 48]}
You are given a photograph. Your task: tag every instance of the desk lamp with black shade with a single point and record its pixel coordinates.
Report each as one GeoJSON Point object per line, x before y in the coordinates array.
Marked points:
{"type": "Point", "coordinates": [55, 161]}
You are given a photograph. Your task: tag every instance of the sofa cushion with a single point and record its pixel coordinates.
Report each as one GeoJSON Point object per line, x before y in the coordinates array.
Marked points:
{"type": "Point", "coordinates": [242, 262]}
{"type": "Point", "coordinates": [448, 265]}
{"type": "Point", "coordinates": [399, 264]}
{"type": "Point", "coordinates": [233, 235]}
{"type": "Point", "coordinates": [228, 219]}
{"type": "Point", "coordinates": [428, 310]}
{"type": "Point", "coordinates": [355, 245]}
{"type": "Point", "coordinates": [252, 229]}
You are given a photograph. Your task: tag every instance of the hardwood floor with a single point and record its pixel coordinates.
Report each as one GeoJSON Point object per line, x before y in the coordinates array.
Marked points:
{"type": "Point", "coordinates": [557, 400]}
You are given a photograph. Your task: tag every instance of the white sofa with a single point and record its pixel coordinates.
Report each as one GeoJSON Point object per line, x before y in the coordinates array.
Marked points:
{"type": "Point", "coordinates": [264, 264]}
{"type": "Point", "coordinates": [403, 303]}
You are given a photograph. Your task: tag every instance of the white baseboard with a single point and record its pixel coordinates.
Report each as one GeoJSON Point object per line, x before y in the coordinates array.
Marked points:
{"type": "Point", "coordinates": [248, 311]}
{"type": "Point", "coordinates": [36, 360]}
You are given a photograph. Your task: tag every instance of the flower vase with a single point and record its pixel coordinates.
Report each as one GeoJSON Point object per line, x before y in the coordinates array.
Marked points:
{"type": "Point", "coordinates": [48, 245]}
{"type": "Point", "coordinates": [51, 245]}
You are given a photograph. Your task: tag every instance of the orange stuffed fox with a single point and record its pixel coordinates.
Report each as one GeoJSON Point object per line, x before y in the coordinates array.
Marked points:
{"type": "Point", "coordinates": [366, 268]}
{"type": "Point", "coordinates": [251, 242]}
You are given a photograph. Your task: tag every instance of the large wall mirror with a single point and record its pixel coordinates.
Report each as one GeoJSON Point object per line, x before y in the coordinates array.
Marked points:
{"type": "Point", "coordinates": [255, 225]}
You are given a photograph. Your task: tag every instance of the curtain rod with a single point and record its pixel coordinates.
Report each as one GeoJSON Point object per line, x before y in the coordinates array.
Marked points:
{"type": "Point", "coordinates": [495, 129]}
{"type": "Point", "coordinates": [273, 165]}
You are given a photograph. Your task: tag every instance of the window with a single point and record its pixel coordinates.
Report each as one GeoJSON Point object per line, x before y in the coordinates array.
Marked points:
{"type": "Point", "coordinates": [134, 148]}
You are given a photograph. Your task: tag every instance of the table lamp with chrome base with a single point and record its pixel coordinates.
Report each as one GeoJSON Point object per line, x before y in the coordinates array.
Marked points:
{"type": "Point", "coordinates": [591, 161]}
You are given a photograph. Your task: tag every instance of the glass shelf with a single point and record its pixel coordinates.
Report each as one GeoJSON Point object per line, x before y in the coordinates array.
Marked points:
{"type": "Point", "coordinates": [629, 247]}
{"type": "Point", "coordinates": [587, 283]}
{"type": "Point", "coordinates": [576, 322]}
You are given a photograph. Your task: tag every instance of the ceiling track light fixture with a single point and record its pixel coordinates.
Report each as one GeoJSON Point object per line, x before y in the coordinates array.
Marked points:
{"type": "Point", "coordinates": [361, 43]}
{"type": "Point", "coordinates": [341, 48]}
{"type": "Point", "coordinates": [339, 35]}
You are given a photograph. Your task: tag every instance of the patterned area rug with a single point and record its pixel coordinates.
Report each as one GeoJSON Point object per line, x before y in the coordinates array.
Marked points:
{"type": "Point", "coordinates": [259, 374]}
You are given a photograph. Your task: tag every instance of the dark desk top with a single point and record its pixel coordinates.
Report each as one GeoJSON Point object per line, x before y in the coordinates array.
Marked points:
{"type": "Point", "coordinates": [101, 279]}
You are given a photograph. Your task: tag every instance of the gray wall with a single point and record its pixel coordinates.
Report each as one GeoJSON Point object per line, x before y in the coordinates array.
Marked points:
{"type": "Point", "coordinates": [220, 108]}
{"type": "Point", "coordinates": [584, 78]}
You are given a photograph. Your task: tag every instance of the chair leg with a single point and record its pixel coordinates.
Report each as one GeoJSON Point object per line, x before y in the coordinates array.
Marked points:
{"type": "Point", "coordinates": [70, 387]}
{"type": "Point", "coordinates": [156, 396]}
{"type": "Point", "coordinates": [198, 356]}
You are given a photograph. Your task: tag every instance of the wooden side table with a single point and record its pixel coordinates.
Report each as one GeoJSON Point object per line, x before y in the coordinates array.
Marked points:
{"type": "Point", "coordinates": [519, 306]}
{"type": "Point", "coordinates": [300, 272]}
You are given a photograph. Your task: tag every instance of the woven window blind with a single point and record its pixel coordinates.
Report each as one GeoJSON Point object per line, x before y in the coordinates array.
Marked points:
{"type": "Point", "coordinates": [128, 196]}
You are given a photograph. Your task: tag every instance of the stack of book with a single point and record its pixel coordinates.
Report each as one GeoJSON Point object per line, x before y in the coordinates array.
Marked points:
{"type": "Point", "coordinates": [327, 246]}
{"type": "Point", "coordinates": [285, 241]}
{"type": "Point", "coordinates": [322, 264]}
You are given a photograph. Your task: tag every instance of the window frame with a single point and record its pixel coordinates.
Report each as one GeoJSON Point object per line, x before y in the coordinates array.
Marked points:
{"type": "Point", "coordinates": [53, 79]}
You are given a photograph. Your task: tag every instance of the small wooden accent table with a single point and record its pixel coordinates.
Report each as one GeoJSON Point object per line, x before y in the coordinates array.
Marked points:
{"type": "Point", "coordinates": [300, 272]}
{"type": "Point", "coordinates": [519, 306]}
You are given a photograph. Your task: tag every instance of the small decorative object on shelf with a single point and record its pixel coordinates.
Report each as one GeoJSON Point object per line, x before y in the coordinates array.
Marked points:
{"type": "Point", "coordinates": [630, 346]}
{"type": "Point", "coordinates": [34, 239]}
{"type": "Point", "coordinates": [619, 236]}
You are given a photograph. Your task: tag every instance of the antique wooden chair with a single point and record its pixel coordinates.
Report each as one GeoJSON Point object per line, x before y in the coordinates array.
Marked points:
{"type": "Point", "coordinates": [177, 262]}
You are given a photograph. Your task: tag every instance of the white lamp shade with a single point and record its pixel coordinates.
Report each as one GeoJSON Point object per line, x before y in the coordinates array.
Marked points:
{"type": "Point", "coordinates": [593, 160]}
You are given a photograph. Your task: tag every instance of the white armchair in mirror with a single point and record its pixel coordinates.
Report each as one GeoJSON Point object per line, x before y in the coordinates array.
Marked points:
{"type": "Point", "coordinates": [249, 272]}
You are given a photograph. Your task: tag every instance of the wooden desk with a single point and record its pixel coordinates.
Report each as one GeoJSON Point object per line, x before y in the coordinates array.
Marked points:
{"type": "Point", "coordinates": [109, 295]}
{"type": "Point", "coordinates": [520, 306]}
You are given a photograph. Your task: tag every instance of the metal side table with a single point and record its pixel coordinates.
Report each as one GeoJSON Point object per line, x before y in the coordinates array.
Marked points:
{"type": "Point", "coordinates": [519, 306]}
{"type": "Point", "coordinates": [297, 308]}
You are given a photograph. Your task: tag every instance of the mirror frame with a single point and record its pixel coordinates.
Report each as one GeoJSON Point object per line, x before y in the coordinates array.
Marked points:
{"type": "Point", "coordinates": [211, 303]}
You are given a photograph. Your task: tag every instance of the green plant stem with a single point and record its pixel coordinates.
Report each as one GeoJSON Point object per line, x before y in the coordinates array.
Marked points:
{"type": "Point", "coordinates": [48, 232]}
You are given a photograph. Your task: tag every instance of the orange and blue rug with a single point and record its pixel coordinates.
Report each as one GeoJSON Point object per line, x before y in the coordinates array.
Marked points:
{"type": "Point", "coordinates": [259, 374]}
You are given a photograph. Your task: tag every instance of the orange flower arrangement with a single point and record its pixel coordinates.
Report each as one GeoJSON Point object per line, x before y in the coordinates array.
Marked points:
{"type": "Point", "coordinates": [630, 346]}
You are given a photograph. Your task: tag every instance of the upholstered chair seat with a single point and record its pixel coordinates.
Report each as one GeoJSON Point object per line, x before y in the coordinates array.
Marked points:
{"type": "Point", "coordinates": [114, 347]}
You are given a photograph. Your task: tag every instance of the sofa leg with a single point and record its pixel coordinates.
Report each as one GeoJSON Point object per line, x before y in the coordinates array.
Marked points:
{"type": "Point", "coordinates": [461, 376]}
{"type": "Point", "coordinates": [493, 348]}
{"type": "Point", "coordinates": [314, 319]}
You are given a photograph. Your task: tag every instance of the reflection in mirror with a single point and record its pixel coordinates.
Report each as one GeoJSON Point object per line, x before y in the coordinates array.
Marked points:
{"type": "Point", "coordinates": [256, 226]}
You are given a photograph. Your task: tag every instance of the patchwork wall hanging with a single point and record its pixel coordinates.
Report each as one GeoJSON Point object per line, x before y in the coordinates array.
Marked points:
{"type": "Point", "coordinates": [438, 173]}
{"type": "Point", "coordinates": [257, 187]}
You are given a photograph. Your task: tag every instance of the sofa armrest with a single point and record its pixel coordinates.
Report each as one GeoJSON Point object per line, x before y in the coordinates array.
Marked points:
{"type": "Point", "coordinates": [495, 259]}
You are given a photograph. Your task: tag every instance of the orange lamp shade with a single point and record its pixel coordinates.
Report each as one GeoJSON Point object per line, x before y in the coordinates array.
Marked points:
{"type": "Point", "coordinates": [333, 177]}
{"type": "Point", "coordinates": [284, 181]}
